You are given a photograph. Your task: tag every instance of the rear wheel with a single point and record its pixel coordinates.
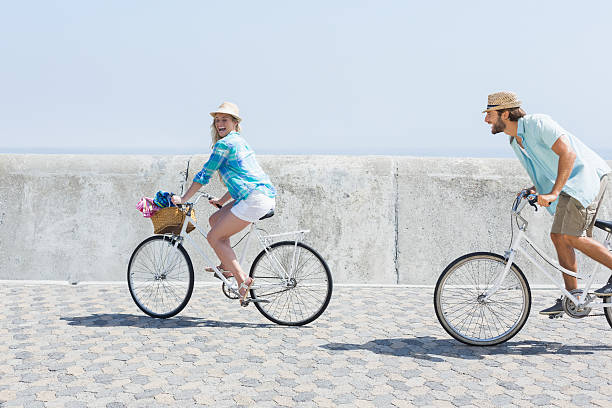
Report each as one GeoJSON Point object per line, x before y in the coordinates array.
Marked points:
{"type": "Point", "coordinates": [293, 281]}
{"type": "Point", "coordinates": [160, 277]}
{"type": "Point", "coordinates": [464, 312]}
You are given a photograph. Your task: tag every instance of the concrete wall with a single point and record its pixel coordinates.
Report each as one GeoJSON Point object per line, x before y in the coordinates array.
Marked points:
{"type": "Point", "coordinates": [375, 219]}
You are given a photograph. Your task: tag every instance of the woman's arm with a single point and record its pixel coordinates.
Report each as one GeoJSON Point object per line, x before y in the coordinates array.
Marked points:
{"type": "Point", "coordinates": [195, 186]}
{"type": "Point", "coordinates": [220, 201]}
{"type": "Point", "coordinates": [216, 159]}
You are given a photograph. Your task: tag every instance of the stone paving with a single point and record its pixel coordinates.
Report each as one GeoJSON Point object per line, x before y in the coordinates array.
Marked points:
{"type": "Point", "coordinates": [89, 345]}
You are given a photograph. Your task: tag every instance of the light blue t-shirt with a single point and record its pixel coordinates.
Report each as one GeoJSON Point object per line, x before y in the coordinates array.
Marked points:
{"type": "Point", "coordinates": [538, 133]}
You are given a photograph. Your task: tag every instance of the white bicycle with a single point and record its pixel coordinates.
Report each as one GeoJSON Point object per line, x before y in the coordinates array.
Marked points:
{"type": "Point", "coordinates": [483, 298]}
{"type": "Point", "coordinates": [292, 282]}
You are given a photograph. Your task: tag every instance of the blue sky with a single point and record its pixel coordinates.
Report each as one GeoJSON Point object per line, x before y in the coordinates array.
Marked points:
{"type": "Point", "coordinates": [316, 77]}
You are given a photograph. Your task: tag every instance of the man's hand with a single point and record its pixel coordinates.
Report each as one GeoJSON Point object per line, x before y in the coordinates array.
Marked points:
{"type": "Point", "coordinates": [544, 200]}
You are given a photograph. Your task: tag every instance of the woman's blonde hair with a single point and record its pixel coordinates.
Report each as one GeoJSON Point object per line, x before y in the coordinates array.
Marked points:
{"type": "Point", "coordinates": [214, 133]}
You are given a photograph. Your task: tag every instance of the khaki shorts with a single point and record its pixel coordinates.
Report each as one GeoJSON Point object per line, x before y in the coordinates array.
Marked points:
{"type": "Point", "coordinates": [571, 218]}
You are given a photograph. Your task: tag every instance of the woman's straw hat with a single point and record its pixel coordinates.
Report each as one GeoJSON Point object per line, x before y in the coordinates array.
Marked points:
{"type": "Point", "coordinates": [229, 108]}
{"type": "Point", "coordinates": [502, 100]}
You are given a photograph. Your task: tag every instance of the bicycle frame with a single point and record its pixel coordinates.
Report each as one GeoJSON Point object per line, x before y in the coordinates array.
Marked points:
{"type": "Point", "coordinates": [264, 241]}
{"type": "Point", "coordinates": [515, 247]}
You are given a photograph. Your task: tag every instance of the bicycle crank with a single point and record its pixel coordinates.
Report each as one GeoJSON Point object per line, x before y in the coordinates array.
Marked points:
{"type": "Point", "coordinates": [228, 293]}
{"type": "Point", "coordinates": [577, 312]}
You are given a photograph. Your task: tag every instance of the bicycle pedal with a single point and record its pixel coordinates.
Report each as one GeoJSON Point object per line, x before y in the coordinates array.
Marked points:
{"type": "Point", "coordinates": [555, 316]}
{"type": "Point", "coordinates": [259, 300]}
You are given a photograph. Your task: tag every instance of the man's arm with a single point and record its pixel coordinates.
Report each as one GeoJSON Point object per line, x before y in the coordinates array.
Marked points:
{"type": "Point", "coordinates": [567, 156]}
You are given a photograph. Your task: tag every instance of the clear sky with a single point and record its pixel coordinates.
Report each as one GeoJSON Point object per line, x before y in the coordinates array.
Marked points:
{"type": "Point", "coordinates": [310, 77]}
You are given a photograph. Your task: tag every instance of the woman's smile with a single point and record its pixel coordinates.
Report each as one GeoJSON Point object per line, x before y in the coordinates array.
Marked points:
{"type": "Point", "coordinates": [224, 124]}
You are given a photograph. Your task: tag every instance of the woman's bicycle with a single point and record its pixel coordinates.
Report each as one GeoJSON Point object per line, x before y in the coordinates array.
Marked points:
{"type": "Point", "coordinates": [484, 299]}
{"type": "Point", "coordinates": [292, 282]}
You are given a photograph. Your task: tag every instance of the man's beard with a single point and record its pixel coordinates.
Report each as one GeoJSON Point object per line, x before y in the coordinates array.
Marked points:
{"type": "Point", "coordinates": [498, 126]}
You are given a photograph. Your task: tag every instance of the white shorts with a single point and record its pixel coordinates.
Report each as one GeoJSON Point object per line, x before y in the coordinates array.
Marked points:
{"type": "Point", "coordinates": [252, 208]}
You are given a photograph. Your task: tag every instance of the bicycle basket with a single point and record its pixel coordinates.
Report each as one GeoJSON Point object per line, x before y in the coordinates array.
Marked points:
{"type": "Point", "coordinates": [169, 220]}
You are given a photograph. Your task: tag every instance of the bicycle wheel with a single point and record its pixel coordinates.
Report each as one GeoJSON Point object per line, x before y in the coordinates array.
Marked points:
{"type": "Point", "coordinates": [301, 296]}
{"type": "Point", "coordinates": [160, 277]}
{"type": "Point", "coordinates": [608, 310]}
{"type": "Point", "coordinates": [469, 318]}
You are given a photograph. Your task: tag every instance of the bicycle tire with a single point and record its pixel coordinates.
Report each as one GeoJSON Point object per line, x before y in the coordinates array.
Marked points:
{"type": "Point", "coordinates": [608, 310]}
{"type": "Point", "coordinates": [160, 277]}
{"type": "Point", "coordinates": [293, 302]}
{"type": "Point", "coordinates": [471, 320]}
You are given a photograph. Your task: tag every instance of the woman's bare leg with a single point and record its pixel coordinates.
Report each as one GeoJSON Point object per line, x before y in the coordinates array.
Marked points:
{"type": "Point", "coordinates": [218, 238]}
{"type": "Point", "coordinates": [214, 219]}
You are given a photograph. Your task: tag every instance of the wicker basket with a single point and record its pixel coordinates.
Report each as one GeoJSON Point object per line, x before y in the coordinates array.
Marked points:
{"type": "Point", "coordinates": [169, 220]}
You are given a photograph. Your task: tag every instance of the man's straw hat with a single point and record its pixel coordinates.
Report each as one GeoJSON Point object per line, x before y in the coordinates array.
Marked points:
{"type": "Point", "coordinates": [229, 108]}
{"type": "Point", "coordinates": [502, 100]}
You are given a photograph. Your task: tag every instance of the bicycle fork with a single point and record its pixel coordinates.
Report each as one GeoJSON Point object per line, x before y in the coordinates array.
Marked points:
{"type": "Point", "coordinates": [509, 255]}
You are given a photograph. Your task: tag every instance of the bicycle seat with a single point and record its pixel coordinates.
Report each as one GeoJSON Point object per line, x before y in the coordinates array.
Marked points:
{"type": "Point", "coordinates": [604, 225]}
{"type": "Point", "coordinates": [268, 215]}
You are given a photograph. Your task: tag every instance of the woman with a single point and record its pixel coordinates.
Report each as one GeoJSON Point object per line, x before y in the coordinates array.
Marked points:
{"type": "Point", "coordinates": [249, 187]}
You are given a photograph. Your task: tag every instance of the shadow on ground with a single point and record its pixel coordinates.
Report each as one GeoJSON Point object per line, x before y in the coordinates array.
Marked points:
{"type": "Point", "coordinates": [433, 349]}
{"type": "Point", "coordinates": [129, 320]}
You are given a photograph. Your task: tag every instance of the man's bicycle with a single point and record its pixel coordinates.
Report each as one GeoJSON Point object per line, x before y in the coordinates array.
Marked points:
{"type": "Point", "coordinates": [483, 298]}
{"type": "Point", "coordinates": [293, 284]}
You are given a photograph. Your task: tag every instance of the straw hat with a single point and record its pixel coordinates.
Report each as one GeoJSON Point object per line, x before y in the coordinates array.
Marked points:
{"type": "Point", "coordinates": [229, 108]}
{"type": "Point", "coordinates": [502, 100]}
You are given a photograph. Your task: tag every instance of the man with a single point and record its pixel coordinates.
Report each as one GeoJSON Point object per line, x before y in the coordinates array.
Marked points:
{"type": "Point", "coordinates": [570, 180]}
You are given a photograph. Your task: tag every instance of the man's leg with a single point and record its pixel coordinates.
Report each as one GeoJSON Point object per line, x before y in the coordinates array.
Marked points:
{"type": "Point", "coordinates": [590, 247]}
{"type": "Point", "coordinates": [565, 252]}
{"type": "Point", "coordinates": [593, 249]}
{"type": "Point", "coordinates": [567, 258]}
{"type": "Point", "coordinates": [596, 251]}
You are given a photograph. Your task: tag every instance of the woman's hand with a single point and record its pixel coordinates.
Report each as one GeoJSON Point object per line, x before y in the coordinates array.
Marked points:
{"type": "Point", "coordinates": [176, 200]}
{"type": "Point", "coordinates": [217, 202]}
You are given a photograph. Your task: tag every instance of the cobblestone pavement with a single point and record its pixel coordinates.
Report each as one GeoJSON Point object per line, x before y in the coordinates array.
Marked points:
{"type": "Point", "coordinates": [89, 345]}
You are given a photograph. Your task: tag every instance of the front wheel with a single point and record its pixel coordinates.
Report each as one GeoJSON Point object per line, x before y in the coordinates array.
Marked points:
{"type": "Point", "coordinates": [160, 277]}
{"type": "Point", "coordinates": [608, 310]}
{"type": "Point", "coordinates": [293, 283]}
{"type": "Point", "coordinates": [466, 314]}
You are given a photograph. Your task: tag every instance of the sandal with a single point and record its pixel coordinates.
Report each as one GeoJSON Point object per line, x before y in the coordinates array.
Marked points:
{"type": "Point", "coordinates": [225, 272]}
{"type": "Point", "coordinates": [243, 301]}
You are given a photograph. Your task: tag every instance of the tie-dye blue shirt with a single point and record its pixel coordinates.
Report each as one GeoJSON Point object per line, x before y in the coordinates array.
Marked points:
{"type": "Point", "coordinates": [235, 161]}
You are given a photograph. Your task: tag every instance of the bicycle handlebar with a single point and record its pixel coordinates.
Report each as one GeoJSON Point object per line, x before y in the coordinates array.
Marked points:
{"type": "Point", "coordinates": [208, 196]}
{"type": "Point", "coordinates": [531, 198]}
